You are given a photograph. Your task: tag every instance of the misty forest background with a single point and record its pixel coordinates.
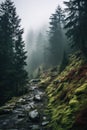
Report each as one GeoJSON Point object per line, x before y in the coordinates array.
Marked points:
{"type": "Point", "coordinates": [45, 48]}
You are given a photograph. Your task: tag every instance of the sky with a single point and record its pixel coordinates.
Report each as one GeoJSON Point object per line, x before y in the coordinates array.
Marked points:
{"type": "Point", "coordinates": [35, 13]}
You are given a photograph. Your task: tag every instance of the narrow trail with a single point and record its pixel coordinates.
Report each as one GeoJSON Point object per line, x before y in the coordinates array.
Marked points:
{"type": "Point", "coordinates": [27, 113]}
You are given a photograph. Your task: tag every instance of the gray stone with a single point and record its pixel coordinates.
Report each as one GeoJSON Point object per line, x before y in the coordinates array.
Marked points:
{"type": "Point", "coordinates": [34, 115]}
{"type": "Point", "coordinates": [32, 105]}
{"type": "Point", "coordinates": [45, 123]}
{"type": "Point", "coordinates": [35, 127]}
{"type": "Point", "coordinates": [21, 100]}
{"type": "Point", "coordinates": [26, 107]}
{"type": "Point", "coordinates": [37, 98]}
{"type": "Point", "coordinates": [21, 115]}
{"type": "Point", "coordinates": [44, 118]}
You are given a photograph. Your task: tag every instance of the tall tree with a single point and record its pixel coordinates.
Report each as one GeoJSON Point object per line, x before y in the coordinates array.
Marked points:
{"type": "Point", "coordinates": [76, 23]}
{"type": "Point", "coordinates": [55, 36]}
{"type": "Point", "coordinates": [12, 51]}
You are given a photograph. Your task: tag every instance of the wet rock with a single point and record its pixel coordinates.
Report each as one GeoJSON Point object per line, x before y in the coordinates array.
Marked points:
{"type": "Point", "coordinates": [44, 118]}
{"type": "Point", "coordinates": [34, 81]}
{"type": "Point", "coordinates": [21, 115]}
{"type": "Point", "coordinates": [5, 111]}
{"type": "Point", "coordinates": [32, 105]}
{"type": "Point", "coordinates": [21, 101]}
{"type": "Point", "coordinates": [35, 127]}
{"type": "Point", "coordinates": [34, 115]}
{"type": "Point", "coordinates": [32, 88]}
{"type": "Point", "coordinates": [26, 107]}
{"type": "Point", "coordinates": [31, 98]}
{"type": "Point", "coordinates": [45, 123]}
{"type": "Point", "coordinates": [37, 98]}
{"type": "Point", "coordinates": [4, 123]}
{"type": "Point", "coordinates": [18, 110]}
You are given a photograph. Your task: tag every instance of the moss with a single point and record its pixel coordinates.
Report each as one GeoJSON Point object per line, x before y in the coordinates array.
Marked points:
{"type": "Point", "coordinates": [67, 94]}
{"type": "Point", "coordinates": [74, 104]}
{"type": "Point", "coordinates": [81, 90]}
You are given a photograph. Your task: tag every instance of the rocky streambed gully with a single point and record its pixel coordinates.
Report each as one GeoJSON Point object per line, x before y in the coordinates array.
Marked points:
{"type": "Point", "coordinates": [27, 113]}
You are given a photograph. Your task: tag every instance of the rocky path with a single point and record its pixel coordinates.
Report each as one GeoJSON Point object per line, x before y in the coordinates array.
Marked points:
{"type": "Point", "coordinates": [27, 113]}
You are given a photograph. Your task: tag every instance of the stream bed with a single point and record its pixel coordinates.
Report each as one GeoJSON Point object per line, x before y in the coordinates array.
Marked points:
{"type": "Point", "coordinates": [27, 113]}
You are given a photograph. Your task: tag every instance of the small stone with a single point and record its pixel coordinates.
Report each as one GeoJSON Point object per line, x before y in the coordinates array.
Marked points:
{"type": "Point", "coordinates": [45, 123]}
{"type": "Point", "coordinates": [4, 123]}
{"type": "Point", "coordinates": [21, 116]}
{"type": "Point", "coordinates": [21, 100]}
{"type": "Point", "coordinates": [32, 105]}
{"type": "Point", "coordinates": [37, 98]}
{"type": "Point", "coordinates": [35, 127]}
{"type": "Point", "coordinates": [44, 118]}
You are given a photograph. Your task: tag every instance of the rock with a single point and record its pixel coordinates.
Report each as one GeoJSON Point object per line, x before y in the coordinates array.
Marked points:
{"type": "Point", "coordinates": [45, 123]}
{"type": "Point", "coordinates": [37, 98]}
{"type": "Point", "coordinates": [31, 98]}
{"type": "Point", "coordinates": [26, 107]}
{"type": "Point", "coordinates": [18, 110]}
{"type": "Point", "coordinates": [32, 105]}
{"type": "Point", "coordinates": [35, 81]}
{"type": "Point", "coordinates": [32, 88]}
{"type": "Point", "coordinates": [44, 118]}
{"type": "Point", "coordinates": [34, 115]}
{"type": "Point", "coordinates": [35, 127]}
{"type": "Point", "coordinates": [21, 101]}
{"type": "Point", "coordinates": [4, 123]}
{"type": "Point", "coordinates": [21, 115]}
{"type": "Point", "coordinates": [5, 111]}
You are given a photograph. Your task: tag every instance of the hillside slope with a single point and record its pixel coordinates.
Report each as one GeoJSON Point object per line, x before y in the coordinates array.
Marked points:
{"type": "Point", "coordinates": [67, 93]}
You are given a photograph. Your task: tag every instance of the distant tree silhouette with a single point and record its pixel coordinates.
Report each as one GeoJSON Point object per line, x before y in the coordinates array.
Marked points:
{"type": "Point", "coordinates": [55, 36]}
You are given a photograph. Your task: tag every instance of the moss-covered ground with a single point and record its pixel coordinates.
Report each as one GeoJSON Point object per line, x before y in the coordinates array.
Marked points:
{"type": "Point", "coordinates": [67, 95]}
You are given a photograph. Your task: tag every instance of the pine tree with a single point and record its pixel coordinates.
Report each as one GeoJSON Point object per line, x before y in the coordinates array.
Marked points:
{"type": "Point", "coordinates": [12, 53]}
{"type": "Point", "coordinates": [76, 24]}
{"type": "Point", "coordinates": [55, 36]}
{"type": "Point", "coordinates": [19, 64]}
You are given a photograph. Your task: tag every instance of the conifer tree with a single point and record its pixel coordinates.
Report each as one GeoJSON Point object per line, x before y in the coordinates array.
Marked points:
{"type": "Point", "coordinates": [12, 53]}
{"type": "Point", "coordinates": [76, 24]}
{"type": "Point", "coordinates": [55, 36]}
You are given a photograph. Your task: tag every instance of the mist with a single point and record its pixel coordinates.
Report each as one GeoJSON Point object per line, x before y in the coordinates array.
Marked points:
{"type": "Point", "coordinates": [37, 42]}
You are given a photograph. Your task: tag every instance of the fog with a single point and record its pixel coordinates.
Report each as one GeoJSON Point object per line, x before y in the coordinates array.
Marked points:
{"type": "Point", "coordinates": [35, 21]}
{"type": "Point", "coordinates": [35, 13]}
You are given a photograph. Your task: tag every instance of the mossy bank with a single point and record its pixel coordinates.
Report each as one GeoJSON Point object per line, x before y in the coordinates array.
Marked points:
{"type": "Point", "coordinates": [67, 96]}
